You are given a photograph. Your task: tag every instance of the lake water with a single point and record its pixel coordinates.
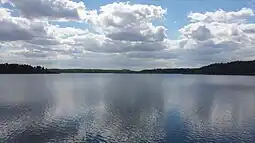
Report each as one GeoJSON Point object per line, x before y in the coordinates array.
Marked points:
{"type": "Point", "coordinates": [127, 108]}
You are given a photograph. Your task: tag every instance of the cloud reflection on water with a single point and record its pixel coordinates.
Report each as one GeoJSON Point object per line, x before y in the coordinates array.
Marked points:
{"type": "Point", "coordinates": [222, 111]}
{"type": "Point", "coordinates": [127, 108]}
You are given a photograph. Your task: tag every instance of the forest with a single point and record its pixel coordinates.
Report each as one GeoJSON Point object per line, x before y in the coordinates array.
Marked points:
{"type": "Point", "coordinates": [230, 68]}
{"type": "Point", "coordinates": [23, 69]}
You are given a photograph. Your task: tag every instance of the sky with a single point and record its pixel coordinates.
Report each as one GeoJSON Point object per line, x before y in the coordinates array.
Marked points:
{"type": "Point", "coordinates": [133, 34]}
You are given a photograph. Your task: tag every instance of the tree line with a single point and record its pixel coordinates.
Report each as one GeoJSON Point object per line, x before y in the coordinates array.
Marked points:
{"type": "Point", "coordinates": [22, 69]}
{"type": "Point", "coordinates": [230, 68]}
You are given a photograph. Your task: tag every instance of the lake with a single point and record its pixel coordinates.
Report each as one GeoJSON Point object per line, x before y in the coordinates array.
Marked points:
{"type": "Point", "coordinates": [127, 108]}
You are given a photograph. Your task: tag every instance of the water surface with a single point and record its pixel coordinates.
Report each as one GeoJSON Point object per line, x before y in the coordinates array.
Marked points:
{"type": "Point", "coordinates": [127, 108]}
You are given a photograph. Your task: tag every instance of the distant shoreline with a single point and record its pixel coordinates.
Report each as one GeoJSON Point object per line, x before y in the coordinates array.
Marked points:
{"type": "Point", "coordinates": [231, 68]}
{"type": "Point", "coordinates": [23, 69]}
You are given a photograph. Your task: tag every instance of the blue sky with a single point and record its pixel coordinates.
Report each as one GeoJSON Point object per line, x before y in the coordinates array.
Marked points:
{"type": "Point", "coordinates": [119, 34]}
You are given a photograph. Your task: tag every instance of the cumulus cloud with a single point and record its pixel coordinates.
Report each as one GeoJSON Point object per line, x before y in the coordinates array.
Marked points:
{"type": "Point", "coordinates": [125, 15]}
{"type": "Point", "coordinates": [131, 30]}
{"type": "Point", "coordinates": [120, 28]}
{"type": "Point", "coordinates": [197, 32]}
{"type": "Point", "coordinates": [129, 22]}
{"type": "Point", "coordinates": [221, 16]}
{"type": "Point", "coordinates": [209, 37]}
{"type": "Point", "coordinates": [218, 36]}
{"type": "Point", "coordinates": [4, 12]}
{"type": "Point", "coordinates": [102, 44]}
{"type": "Point", "coordinates": [17, 28]}
{"type": "Point", "coordinates": [121, 35]}
{"type": "Point", "coordinates": [52, 9]}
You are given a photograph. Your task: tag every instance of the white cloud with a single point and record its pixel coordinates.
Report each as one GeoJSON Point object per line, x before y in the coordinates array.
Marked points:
{"type": "Point", "coordinates": [122, 35]}
{"type": "Point", "coordinates": [129, 22]}
{"type": "Point", "coordinates": [221, 16]}
{"type": "Point", "coordinates": [197, 32]}
{"type": "Point", "coordinates": [121, 15]}
{"type": "Point", "coordinates": [208, 40]}
{"type": "Point", "coordinates": [17, 28]}
{"type": "Point", "coordinates": [218, 36]}
{"type": "Point", "coordinates": [4, 12]}
{"type": "Point", "coordinates": [52, 9]}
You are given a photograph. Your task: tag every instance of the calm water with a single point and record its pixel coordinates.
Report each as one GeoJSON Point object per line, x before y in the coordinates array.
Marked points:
{"type": "Point", "coordinates": [127, 108]}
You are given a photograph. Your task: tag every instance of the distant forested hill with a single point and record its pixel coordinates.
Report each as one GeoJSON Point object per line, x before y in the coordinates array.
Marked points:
{"type": "Point", "coordinates": [23, 69]}
{"type": "Point", "coordinates": [231, 68]}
